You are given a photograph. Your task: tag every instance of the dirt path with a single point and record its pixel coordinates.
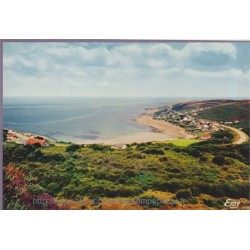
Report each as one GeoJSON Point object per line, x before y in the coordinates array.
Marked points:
{"type": "Point", "coordinates": [243, 137]}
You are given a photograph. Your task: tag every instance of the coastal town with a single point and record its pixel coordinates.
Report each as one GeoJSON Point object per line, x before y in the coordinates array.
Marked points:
{"type": "Point", "coordinates": [201, 128]}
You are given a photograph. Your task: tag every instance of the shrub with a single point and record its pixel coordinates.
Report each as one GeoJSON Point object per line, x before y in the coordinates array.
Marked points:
{"type": "Point", "coordinates": [163, 159]}
{"type": "Point", "coordinates": [137, 156]}
{"type": "Point", "coordinates": [219, 160]}
{"type": "Point", "coordinates": [154, 151]}
{"type": "Point", "coordinates": [194, 152]}
{"type": "Point", "coordinates": [236, 190]}
{"type": "Point", "coordinates": [215, 190]}
{"type": "Point", "coordinates": [129, 173]}
{"type": "Point", "coordinates": [19, 154]}
{"type": "Point", "coordinates": [210, 202]}
{"type": "Point", "coordinates": [174, 185]}
{"type": "Point", "coordinates": [99, 147]}
{"type": "Point", "coordinates": [72, 148]}
{"type": "Point", "coordinates": [203, 159]}
{"type": "Point", "coordinates": [185, 194]}
{"type": "Point", "coordinates": [55, 157]}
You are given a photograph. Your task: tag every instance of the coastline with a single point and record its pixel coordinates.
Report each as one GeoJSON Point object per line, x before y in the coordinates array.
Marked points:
{"type": "Point", "coordinates": [161, 131]}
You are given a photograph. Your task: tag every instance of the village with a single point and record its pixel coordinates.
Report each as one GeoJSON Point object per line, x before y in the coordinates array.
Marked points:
{"type": "Point", "coordinates": [201, 128]}
{"type": "Point", "coordinates": [24, 138]}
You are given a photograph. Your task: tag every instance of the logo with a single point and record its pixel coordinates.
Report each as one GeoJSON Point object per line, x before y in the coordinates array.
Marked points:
{"type": "Point", "coordinates": [232, 203]}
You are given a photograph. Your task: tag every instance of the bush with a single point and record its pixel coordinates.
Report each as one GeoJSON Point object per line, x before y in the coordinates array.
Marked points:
{"type": "Point", "coordinates": [99, 147]}
{"type": "Point", "coordinates": [137, 156]}
{"type": "Point", "coordinates": [163, 159]}
{"type": "Point", "coordinates": [203, 159]}
{"type": "Point", "coordinates": [210, 202]}
{"type": "Point", "coordinates": [194, 152]}
{"type": "Point", "coordinates": [223, 135]}
{"type": "Point", "coordinates": [54, 157]}
{"type": "Point", "coordinates": [154, 151]}
{"type": "Point", "coordinates": [174, 185]}
{"type": "Point", "coordinates": [236, 190]}
{"type": "Point", "coordinates": [219, 160]}
{"type": "Point", "coordinates": [215, 190]}
{"type": "Point", "coordinates": [19, 154]}
{"type": "Point", "coordinates": [129, 173]}
{"type": "Point", "coordinates": [185, 194]}
{"type": "Point", "coordinates": [72, 148]}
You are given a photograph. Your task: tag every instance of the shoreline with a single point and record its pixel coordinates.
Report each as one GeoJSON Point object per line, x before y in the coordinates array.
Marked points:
{"type": "Point", "coordinates": [160, 131]}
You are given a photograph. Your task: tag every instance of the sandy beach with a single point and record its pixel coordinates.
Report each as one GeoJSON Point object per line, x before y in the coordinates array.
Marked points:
{"type": "Point", "coordinates": [161, 131]}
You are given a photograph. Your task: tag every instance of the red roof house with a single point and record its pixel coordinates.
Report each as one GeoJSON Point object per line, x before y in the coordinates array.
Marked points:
{"type": "Point", "coordinates": [206, 137]}
{"type": "Point", "coordinates": [32, 141]}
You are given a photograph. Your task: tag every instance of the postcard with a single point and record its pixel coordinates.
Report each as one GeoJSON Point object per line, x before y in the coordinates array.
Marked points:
{"type": "Point", "coordinates": [125, 125]}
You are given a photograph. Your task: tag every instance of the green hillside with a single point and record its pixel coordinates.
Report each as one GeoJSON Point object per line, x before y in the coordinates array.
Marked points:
{"type": "Point", "coordinates": [229, 113]}
{"type": "Point", "coordinates": [204, 175]}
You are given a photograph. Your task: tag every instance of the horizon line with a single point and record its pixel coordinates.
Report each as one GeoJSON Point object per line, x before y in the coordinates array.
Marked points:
{"type": "Point", "coordinates": [210, 97]}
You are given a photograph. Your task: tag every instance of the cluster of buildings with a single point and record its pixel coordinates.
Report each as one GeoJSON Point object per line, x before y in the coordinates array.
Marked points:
{"type": "Point", "coordinates": [26, 139]}
{"type": "Point", "coordinates": [229, 123]}
{"type": "Point", "coordinates": [189, 121]}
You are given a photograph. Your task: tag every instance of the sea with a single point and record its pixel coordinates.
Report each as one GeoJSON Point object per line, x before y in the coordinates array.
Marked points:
{"type": "Point", "coordinates": [75, 119]}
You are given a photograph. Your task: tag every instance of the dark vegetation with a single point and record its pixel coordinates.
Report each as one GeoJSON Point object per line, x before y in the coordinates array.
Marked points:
{"type": "Point", "coordinates": [95, 171]}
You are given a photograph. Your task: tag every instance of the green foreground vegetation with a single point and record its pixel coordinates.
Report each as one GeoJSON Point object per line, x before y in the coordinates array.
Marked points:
{"type": "Point", "coordinates": [205, 174]}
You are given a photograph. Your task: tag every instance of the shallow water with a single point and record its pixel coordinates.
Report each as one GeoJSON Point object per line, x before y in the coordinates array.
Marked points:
{"type": "Point", "coordinates": [74, 118]}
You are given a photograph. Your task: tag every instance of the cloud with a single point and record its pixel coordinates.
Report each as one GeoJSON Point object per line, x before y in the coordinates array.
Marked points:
{"type": "Point", "coordinates": [121, 68]}
{"type": "Point", "coordinates": [227, 49]}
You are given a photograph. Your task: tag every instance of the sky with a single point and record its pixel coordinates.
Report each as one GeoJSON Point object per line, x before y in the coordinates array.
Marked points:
{"type": "Point", "coordinates": [169, 69]}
